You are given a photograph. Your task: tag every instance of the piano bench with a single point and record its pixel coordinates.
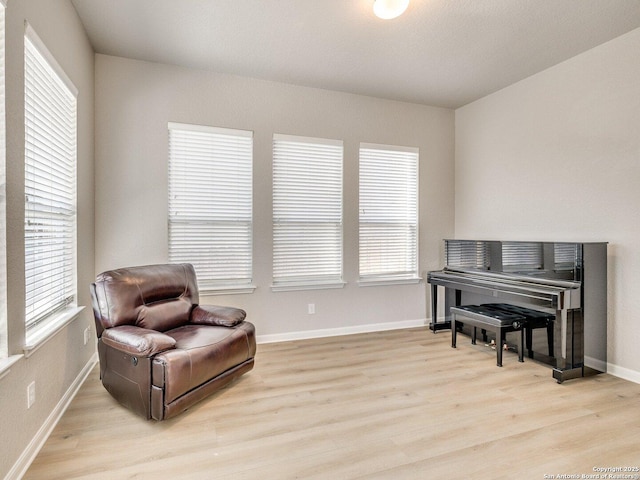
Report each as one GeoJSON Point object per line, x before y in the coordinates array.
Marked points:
{"type": "Point", "coordinates": [533, 319]}
{"type": "Point", "coordinates": [498, 321]}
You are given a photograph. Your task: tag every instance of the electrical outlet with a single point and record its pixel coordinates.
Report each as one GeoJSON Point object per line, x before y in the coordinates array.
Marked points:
{"type": "Point", "coordinates": [86, 335]}
{"type": "Point", "coordinates": [311, 308]}
{"type": "Point", "coordinates": [31, 394]}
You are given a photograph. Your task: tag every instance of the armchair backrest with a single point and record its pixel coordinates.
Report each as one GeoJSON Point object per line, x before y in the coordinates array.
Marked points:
{"type": "Point", "coordinates": [157, 297]}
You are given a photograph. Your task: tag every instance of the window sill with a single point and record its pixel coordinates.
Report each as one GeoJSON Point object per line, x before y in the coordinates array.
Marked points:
{"type": "Point", "coordinates": [41, 334]}
{"type": "Point", "coordinates": [230, 290]}
{"type": "Point", "coordinates": [292, 287]}
{"type": "Point", "coordinates": [377, 282]}
{"type": "Point", "coordinates": [6, 363]}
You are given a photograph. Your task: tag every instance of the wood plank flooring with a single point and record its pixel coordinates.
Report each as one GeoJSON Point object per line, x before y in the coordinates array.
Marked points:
{"type": "Point", "coordinates": [389, 405]}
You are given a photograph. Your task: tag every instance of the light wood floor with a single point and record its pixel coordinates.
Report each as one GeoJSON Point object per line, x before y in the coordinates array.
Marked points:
{"type": "Point", "coordinates": [389, 405]}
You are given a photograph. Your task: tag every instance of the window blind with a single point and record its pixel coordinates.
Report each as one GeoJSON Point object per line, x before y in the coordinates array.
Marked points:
{"type": "Point", "coordinates": [388, 212]}
{"type": "Point", "coordinates": [211, 203]}
{"type": "Point", "coordinates": [50, 185]}
{"type": "Point", "coordinates": [307, 211]}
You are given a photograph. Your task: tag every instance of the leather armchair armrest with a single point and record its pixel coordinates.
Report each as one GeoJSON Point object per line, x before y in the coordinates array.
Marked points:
{"type": "Point", "coordinates": [137, 341]}
{"type": "Point", "coordinates": [219, 316]}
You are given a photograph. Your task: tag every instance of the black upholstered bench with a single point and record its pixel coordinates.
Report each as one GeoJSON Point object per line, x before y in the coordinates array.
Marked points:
{"type": "Point", "coordinates": [533, 319]}
{"type": "Point", "coordinates": [499, 321]}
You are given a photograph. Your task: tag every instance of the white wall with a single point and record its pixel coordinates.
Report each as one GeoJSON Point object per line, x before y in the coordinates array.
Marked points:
{"type": "Point", "coordinates": [135, 101]}
{"type": "Point", "coordinates": [58, 363]}
{"type": "Point", "coordinates": [557, 157]}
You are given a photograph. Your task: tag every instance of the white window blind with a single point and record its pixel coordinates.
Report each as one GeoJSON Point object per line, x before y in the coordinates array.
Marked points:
{"type": "Point", "coordinates": [50, 185]}
{"type": "Point", "coordinates": [211, 204]}
{"type": "Point", "coordinates": [307, 212]}
{"type": "Point", "coordinates": [388, 213]}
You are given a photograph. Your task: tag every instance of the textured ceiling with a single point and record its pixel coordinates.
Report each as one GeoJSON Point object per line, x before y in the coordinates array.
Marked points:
{"type": "Point", "coordinates": [440, 52]}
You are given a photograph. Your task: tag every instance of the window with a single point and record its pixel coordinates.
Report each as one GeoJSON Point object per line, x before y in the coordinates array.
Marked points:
{"type": "Point", "coordinates": [388, 214]}
{"type": "Point", "coordinates": [50, 188]}
{"type": "Point", "coordinates": [210, 204]}
{"type": "Point", "coordinates": [307, 213]}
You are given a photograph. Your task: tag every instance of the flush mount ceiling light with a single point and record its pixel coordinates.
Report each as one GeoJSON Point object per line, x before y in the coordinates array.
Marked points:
{"type": "Point", "coordinates": [388, 9]}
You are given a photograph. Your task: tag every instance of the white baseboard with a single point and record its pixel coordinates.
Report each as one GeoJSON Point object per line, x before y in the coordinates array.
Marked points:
{"type": "Point", "coordinates": [37, 442]}
{"type": "Point", "coordinates": [624, 373]}
{"type": "Point", "coordinates": [334, 332]}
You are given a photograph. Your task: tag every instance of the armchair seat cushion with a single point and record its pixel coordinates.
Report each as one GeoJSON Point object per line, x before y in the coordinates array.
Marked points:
{"type": "Point", "coordinates": [201, 353]}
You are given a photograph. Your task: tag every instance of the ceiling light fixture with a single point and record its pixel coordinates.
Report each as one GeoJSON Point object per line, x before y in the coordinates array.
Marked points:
{"type": "Point", "coordinates": [388, 9]}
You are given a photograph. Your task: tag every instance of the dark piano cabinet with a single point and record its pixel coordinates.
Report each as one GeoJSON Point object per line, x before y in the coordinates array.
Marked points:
{"type": "Point", "coordinates": [565, 279]}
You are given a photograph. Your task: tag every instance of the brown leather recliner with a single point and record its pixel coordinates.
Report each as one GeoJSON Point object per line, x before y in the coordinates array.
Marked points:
{"type": "Point", "coordinates": [160, 351]}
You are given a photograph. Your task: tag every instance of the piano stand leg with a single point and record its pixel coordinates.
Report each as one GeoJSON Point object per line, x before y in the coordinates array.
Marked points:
{"type": "Point", "coordinates": [521, 346]}
{"type": "Point", "coordinates": [568, 374]}
{"type": "Point", "coordinates": [434, 327]}
{"type": "Point", "coordinates": [500, 346]}
{"type": "Point", "coordinates": [454, 330]}
{"type": "Point", "coordinates": [473, 336]}
{"type": "Point", "coordinates": [529, 336]}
